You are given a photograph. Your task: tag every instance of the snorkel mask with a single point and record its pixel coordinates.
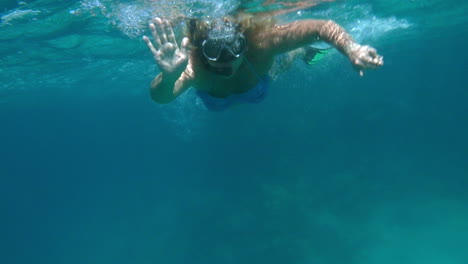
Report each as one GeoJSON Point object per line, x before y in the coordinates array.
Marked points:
{"type": "Point", "coordinates": [224, 44]}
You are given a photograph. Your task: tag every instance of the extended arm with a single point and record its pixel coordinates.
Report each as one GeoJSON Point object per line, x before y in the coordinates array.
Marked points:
{"type": "Point", "coordinates": [287, 37]}
{"type": "Point", "coordinates": [166, 87]}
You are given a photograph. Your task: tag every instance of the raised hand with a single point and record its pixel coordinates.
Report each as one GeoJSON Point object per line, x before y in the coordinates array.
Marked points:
{"type": "Point", "coordinates": [364, 57]}
{"type": "Point", "coordinates": [169, 57]}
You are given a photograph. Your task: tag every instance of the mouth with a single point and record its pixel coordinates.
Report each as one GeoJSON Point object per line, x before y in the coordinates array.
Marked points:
{"type": "Point", "coordinates": [224, 71]}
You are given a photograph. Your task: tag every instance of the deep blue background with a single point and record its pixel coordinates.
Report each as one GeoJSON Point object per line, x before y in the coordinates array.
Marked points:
{"type": "Point", "coordinates": [109, 180]}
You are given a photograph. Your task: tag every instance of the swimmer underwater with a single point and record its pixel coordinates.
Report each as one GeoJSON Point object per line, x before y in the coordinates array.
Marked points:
{"type": "Point", "coordinates": [228, 60]}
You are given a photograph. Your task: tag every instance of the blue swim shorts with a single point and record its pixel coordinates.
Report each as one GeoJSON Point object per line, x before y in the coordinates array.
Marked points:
{"type": "Point", "coordinates": [253, 96]}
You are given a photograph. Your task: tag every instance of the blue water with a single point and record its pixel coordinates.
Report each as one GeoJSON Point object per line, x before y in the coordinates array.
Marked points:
{"type": "Point", "coordinates": [330, 168]}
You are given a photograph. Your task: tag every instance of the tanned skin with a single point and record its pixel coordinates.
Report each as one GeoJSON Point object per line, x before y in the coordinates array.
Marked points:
{"type": "Point", "coordinates": [178, 70]}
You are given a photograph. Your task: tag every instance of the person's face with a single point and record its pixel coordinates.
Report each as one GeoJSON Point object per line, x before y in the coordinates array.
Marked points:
{"type": "Point", "coordinates": [224, 54]}
{"type": "Point", "coordinates": [225, 69]}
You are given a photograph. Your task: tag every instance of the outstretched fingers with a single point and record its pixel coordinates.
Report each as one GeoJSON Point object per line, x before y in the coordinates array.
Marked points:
{"type": "Point", "coordinates": [150, 45]}
{"type": "Point", "coordinates": [169, 32]}
{"type": "Point", "coordinates": [156, 35]}
{"type": "Point", "coordinates": [184, 45]}
{"type": "Point", "coordinates": [160, 30]}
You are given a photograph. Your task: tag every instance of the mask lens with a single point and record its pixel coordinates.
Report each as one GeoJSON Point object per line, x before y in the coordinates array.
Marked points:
{"type": "Point", "coordinates": [211, 49]}
{"type": "Point", "coordinates": [237, 48]}
{"type": "Point", "coordinates": [222, 50]}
